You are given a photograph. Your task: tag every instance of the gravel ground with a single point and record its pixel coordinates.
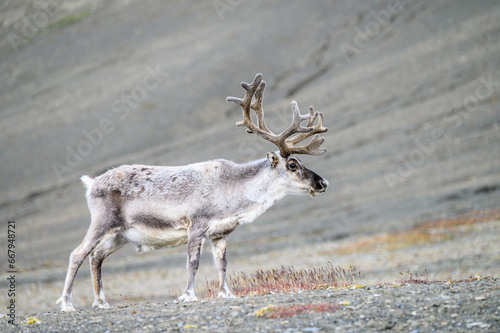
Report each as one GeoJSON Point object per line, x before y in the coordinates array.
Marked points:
{"type": "Point", "coordinates": [413, 307]}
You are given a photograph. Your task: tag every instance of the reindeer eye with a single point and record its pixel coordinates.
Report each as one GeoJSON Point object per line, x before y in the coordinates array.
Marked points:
{"type": "Point", "coordinates": [292, 166]}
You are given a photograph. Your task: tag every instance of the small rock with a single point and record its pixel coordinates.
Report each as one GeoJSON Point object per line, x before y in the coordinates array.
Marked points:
{"type": "Point", "coordinates": [477, 324]}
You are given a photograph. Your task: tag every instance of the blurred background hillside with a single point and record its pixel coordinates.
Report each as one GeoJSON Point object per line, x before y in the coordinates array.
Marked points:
{"type": "Point", "coordinates": [410, 91]}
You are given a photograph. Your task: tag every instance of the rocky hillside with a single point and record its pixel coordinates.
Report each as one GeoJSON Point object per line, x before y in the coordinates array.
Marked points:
{"type": "Point", "coordinates": [409, 90]}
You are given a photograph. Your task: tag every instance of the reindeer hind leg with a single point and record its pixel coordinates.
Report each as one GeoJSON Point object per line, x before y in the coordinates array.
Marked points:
{"type": "Point", "coordinates": [96, 258]}
{"type": "Point", "coordinates": [93, 238]}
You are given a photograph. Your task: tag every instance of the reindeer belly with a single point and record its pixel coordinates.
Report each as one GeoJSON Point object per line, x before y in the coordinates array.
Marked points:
{"type": "Point", "coordinates": [153, 225]}
{"type": "Point", "coordinates": [148, 238]}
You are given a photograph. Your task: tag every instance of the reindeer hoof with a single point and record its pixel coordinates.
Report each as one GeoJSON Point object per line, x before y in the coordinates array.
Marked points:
{"type": "Point", "coordinates": [101, 304]}
{"type": "Point", "coordinates": [68, 308]}
{"type": "Point", "coordinates": [187, 298]}
{"type": "Point", "coordinates": [225, 294]}
{"type": "Point", "coordinates": [65, 306]}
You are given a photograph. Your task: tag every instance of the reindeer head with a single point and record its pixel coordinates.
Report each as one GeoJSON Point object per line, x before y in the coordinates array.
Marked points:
{"type": "Point", "coordinates": [295, 177]}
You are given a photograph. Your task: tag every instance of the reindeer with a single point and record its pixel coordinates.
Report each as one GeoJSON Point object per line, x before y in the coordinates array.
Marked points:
{"type": "Point", "coordinates": [161, 206]}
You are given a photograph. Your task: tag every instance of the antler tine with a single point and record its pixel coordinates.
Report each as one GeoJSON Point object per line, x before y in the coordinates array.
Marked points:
{"type": "Point", "coordinates": [312, 117]}
{"type": "Point", "coordinates": [255, 89]}
{"type": "Point", "coordinates": [312, 148]}
{"type": "Point", "coordinates": [257, 106]}
{"type": "Point", "coordinates": [314, 129]}
{"type": "Point", "coordinates": [296, 120]}
{"type": "Point", "coordinates": [246, 101]}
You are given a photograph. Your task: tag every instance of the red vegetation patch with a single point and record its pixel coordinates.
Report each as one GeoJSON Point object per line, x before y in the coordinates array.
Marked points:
{"type": "Point", "coordinates": [294, 310]}
{"type": "Point", "coordinates": [426, 233]}
{"type": "Point", "coordinates": [469, 219]}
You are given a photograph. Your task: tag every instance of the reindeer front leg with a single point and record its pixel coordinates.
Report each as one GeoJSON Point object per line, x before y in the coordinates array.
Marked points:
{"type": "Point", "coordinates": [195, 241]}
{"type": "Point", "coordinates": [219, 252]}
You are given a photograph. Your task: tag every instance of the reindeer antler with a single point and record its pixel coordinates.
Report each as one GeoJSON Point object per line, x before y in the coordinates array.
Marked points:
{"type": "Point", "coordinates": [287, 139]}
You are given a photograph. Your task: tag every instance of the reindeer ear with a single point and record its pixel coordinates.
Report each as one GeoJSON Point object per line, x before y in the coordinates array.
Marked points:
{"type": "Point", "coordinates": [273, 159]}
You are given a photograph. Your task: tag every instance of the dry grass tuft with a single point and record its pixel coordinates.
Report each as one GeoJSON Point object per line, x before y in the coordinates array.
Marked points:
{"type": "Point", "coordinates": [287, 279]}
